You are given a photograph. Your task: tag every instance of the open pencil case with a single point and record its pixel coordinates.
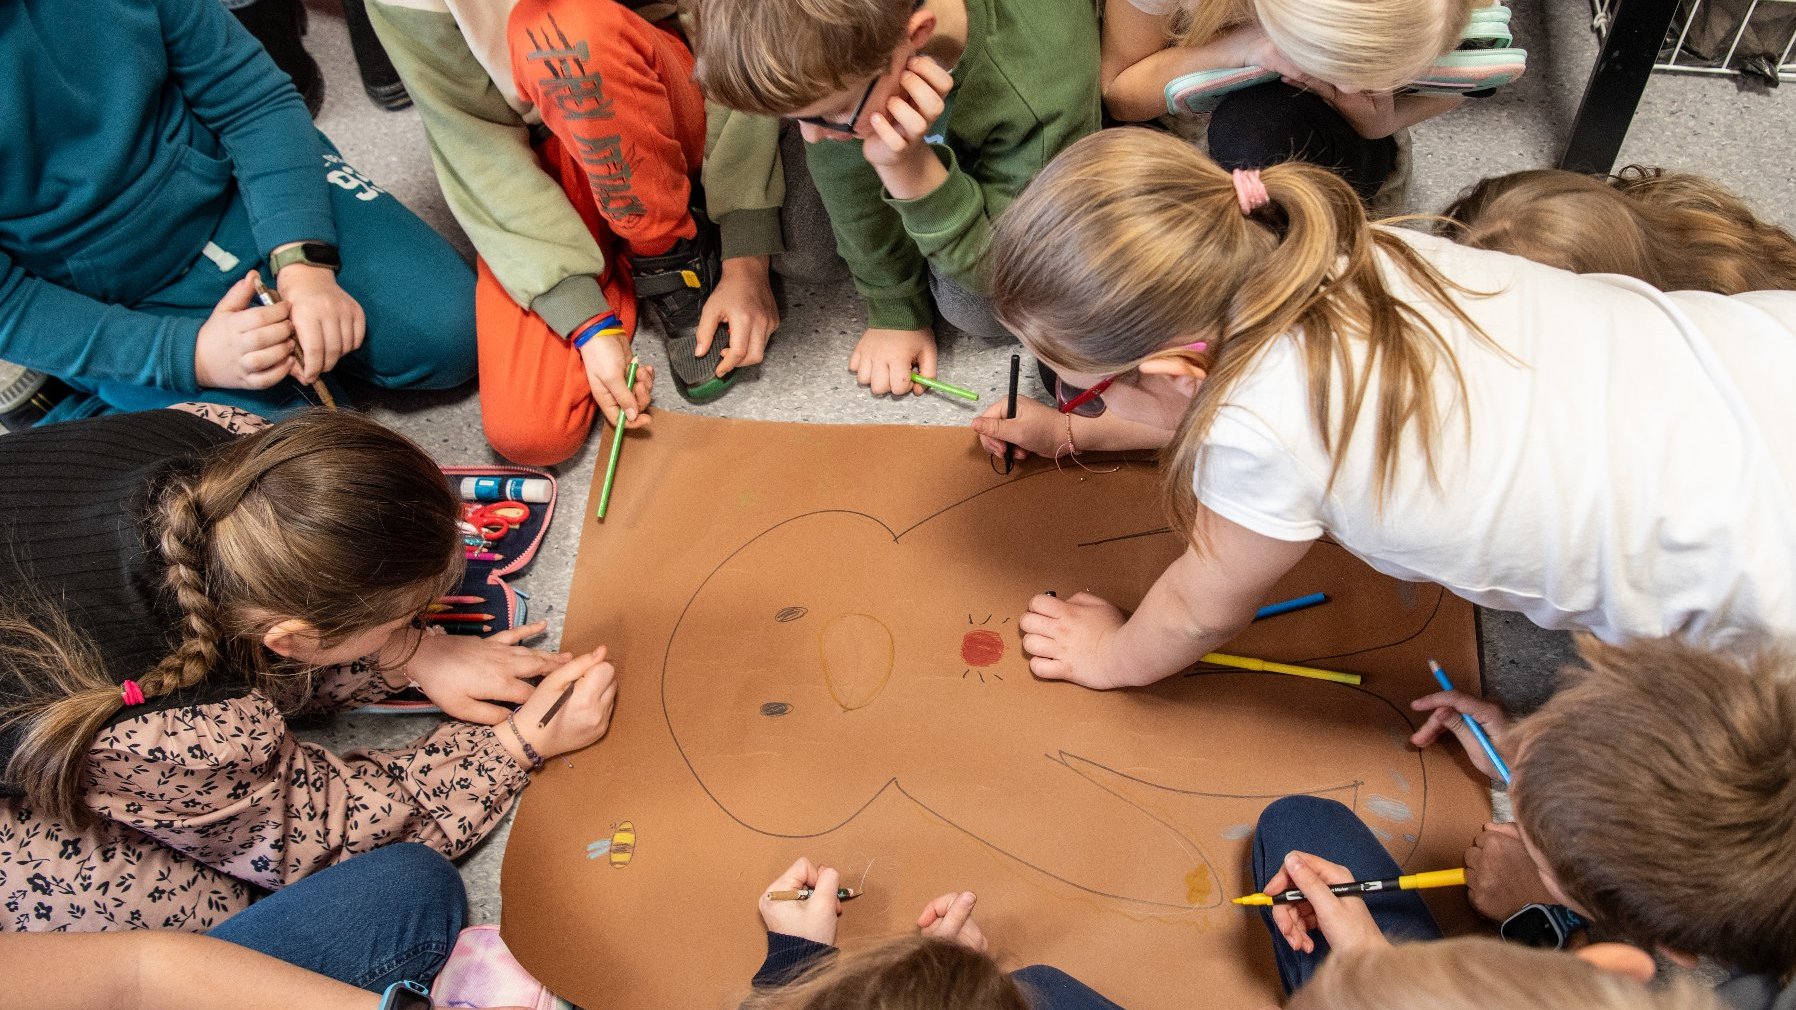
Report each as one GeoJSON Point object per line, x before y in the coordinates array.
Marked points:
{"type": "Point", "coordinates": [1483, 61]}
{"type": "Point", "coordinates": [501, 534]}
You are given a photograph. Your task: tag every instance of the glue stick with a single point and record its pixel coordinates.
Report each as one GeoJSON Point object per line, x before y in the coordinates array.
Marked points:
{"type": "Point", "coordinates": [530, 489]}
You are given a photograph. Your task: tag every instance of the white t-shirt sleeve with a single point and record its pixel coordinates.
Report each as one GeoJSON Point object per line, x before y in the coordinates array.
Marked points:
{"type": "Point", "coordinates": [1247, 475]}
{"type": "Point", "coordinates": [1154, 6]}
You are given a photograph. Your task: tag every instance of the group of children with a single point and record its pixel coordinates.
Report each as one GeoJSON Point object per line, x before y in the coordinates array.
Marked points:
{"type": "Point", "coordinates": [1562, 401]}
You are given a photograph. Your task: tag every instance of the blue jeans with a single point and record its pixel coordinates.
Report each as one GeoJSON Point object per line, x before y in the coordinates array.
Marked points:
{"type": "Point", "coordinates": [369, 921]}
{"type": "Point", "coordinates": [1052, 989]}
{"type": "Point", "coordinates": [415, 291]}
{"type": "Point", "coordinates": [1328, 829]}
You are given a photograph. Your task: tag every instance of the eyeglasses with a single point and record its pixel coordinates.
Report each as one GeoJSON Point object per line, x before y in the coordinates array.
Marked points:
{"type": "Point", "coordinates": [853, 117]}
{"type": "Point", "coordinates": [1090, 402]}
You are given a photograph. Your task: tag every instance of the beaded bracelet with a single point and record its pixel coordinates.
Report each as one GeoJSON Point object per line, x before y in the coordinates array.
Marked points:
{"type": "Point", "coordinates": [530, 754]}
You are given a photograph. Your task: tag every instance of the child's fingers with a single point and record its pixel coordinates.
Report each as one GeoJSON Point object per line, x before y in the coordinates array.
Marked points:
{"type": "Point", "coordinates": [802, 873]}
{"type": "Point", "coordinates": [891, 138]}
{"type": "Point", "coordinates": [906, 117]}
{"type": "Point", "coordinates": [955, 919]}
{"type": "Point", "coordinates": [268, 377]}
{"type": "Point", "coordinates": [1047, 605]}
{"type": "Point", "coordinates": [240, 295]}
{"type": "Point", "coordinates": [708, 318]}
{"type": "Point", "coordinates": [931, 71]}
{"type": "Point", "coordinates": [523, 632]}
{"type": "Point", "coordinates": [264, 358]}
{"type": "Point", "coordinates": [1050, 669]}
{"type": "Point", "coordinates": [923, 97]}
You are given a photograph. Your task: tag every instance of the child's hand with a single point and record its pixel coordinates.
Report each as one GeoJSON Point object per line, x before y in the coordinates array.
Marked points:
{"type": "Point", "coordinates": [744, 300]}
{"type": "Point", "coordinates": [884, 360]}
{"type": "Point", "coordinates": [1345, 923]}
{"type": "Point", "coordinates": [327, 322]}
{"type": "Point", "coordinates": [897, 150]}
{"type": "Point", "coordinates": [1037, 428]}
{"type": "Point", "coordinates": [1500, 876]}
{"type": "Point", "coordinates": [463, 675]}
{"type": "Point", "coordinates": [242, 345]}
{"type": "Point", "coordinates": [607, 361]}
{"type": "Point", "coordinates": [1071, 639]}
{"type": "Point", "coordinates": [815, 917]}
{"type": "Point", "coordinates": [1445, 709]}
{"type": "Point", "coordinates": [950, 917]}
{"type": "Point", "coordinates": [580, 722]}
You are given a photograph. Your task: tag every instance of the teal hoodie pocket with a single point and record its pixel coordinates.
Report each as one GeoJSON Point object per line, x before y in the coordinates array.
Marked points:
{"type": "Point", "coordinates": [157, 240]}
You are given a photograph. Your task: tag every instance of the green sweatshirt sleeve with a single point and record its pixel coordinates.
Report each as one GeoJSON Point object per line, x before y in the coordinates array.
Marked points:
{"type": "Point", "coordinates": [745, 185]}
{"type": "Point", "coordinates": [518, 218]}
{"type": "Point", "coordinates": [888, 269]}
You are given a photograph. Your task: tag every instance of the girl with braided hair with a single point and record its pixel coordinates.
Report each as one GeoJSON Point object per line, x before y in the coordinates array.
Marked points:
{"type": "Point", "coordinates": [177, 590]}
{"type": "Point", "coordinates": [1587, 450]}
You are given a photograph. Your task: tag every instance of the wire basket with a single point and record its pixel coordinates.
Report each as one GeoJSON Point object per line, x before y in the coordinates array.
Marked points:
{"type": "Point", "coordinates": [1714, 37]}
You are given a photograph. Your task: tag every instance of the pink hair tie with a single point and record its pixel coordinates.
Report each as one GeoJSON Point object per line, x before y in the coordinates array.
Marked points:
{"type": "Point", "coordinates": [132, 693]}
{"type": "Point", "coordinates": [1250, 191]}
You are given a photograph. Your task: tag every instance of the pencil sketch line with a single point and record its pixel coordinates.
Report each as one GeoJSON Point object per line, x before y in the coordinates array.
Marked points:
{"type": "Point", "coordinates": [1127, 536]}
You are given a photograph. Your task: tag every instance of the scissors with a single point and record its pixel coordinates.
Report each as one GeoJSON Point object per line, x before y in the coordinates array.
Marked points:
{"type": "Point", "coordinates": [494, 520]}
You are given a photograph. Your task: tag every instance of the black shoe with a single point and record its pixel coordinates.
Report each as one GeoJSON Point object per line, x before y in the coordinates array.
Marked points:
{"type": "Point", "coordinates": [278, 25]}
{"type": "Point", "coordinates": [379, 79]}
{"type": "Point", "coordinates": [675, 286]}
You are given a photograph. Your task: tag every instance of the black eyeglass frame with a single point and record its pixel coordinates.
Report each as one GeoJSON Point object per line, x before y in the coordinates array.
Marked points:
{"type": "Point", "coordinates": [853, 118]}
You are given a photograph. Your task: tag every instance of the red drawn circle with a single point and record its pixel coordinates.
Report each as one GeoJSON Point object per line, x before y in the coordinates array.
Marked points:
{"type": "Point", "coordinates": [981, 647]}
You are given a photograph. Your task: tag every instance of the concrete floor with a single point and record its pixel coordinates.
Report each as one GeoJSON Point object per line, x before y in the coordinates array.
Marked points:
{"type": "Point", "coordinates": [1744, 139]}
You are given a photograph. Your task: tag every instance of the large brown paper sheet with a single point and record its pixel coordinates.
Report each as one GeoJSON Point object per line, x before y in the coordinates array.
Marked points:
{"type": "Point", "coordinates": [815, 635]}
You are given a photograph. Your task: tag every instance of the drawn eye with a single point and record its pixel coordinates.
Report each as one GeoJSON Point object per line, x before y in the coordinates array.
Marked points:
{"type": "Point", "coordinates": [775, 708]}
{"type": "Point", "coordinates": [786, 615]}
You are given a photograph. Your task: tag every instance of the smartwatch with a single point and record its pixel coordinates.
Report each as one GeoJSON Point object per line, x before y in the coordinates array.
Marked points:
{"type": "Point", "coordinates": [1538, 925]}
{"type": "Point", "coordinates": [404, 995]}
{"type": "Point", "coordinates": [318, 254]}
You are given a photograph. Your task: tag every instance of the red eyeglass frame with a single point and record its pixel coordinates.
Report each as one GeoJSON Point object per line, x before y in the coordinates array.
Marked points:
{"type": "Point", "coordinates": [1102, 384]}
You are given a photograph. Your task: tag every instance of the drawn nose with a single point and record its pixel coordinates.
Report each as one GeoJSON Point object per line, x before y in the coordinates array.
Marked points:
{"type": "Point", "coordinates": [980, 647]}
{"type": "Point", "coordinates": [857, 659]}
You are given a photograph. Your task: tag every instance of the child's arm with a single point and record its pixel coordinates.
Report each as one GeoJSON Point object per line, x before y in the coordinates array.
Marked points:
{"type": "Point", "coordinates": [527, 233]}
{"type": "Point", "coordinates": [1045, 431]}
{"type": "Point", "coordinates": [1138, 61]}
{"type": "Point", "coordinates": [229, 785]}
{"type": "Point", "coordinates": [1196, 605]}
{"type": "Point", "coordinates": [161, 970]}
{"type": "Point", "coordinates": [745, 187]}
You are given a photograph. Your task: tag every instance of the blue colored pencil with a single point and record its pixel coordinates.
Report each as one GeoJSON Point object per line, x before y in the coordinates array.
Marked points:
{"type": "Point", "coordinates": [1275, 609]}
{"type": "Point", "coordinates": [1483, 738]}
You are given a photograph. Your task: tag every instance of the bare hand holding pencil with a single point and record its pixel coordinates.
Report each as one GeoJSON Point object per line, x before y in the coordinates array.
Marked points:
{"type": "Point", "coordinates": [580, 722]}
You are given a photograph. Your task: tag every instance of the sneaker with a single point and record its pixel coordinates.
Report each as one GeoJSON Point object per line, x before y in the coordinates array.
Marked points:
{"type": "Point", "coordinates": [379, 78]}
{"type": "Point", "coordinates": [675, 285]}
{"type": "Point", "coordinates": [278, 25]}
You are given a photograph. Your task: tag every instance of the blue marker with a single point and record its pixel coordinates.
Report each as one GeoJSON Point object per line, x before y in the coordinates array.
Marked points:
{"type": "Point", "coordinates": [1483, 738]}
{"type": "Point", "coordinates": [1275, 609]}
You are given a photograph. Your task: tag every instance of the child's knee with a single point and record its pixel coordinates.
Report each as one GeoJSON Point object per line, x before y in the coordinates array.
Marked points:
{"type": "Point", "coordinates": [1289, 816]}
{"type": "Point", "coordinates": [533, 439]}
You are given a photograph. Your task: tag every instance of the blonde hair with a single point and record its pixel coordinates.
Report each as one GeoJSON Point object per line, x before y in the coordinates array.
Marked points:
{"type": "Point", "coordinates": [1131, 241]}
{"type": "Point", "coordinates": [1659, 783]}
{"type": "Point", "coordinates": [1675, 231]}
{"type": "Point", "coordinates": [325, 517]}
{"type": "Point", "coordinates": [1373, 45]}
{"type": "Point", "coordinates": [912, 973]}
{"type": "Point", "coordinates": [1482, 973]}
{"type": "Point", "coordinates": [774, 57]}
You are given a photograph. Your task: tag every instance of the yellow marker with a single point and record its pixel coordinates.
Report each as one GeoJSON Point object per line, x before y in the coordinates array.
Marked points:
{"type": "Point", "coordinates": [1408, 882]}
{"type": "Point", "coordinates": [1268, 666]}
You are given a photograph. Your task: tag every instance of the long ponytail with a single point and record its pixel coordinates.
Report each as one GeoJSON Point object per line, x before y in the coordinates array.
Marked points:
{"type": "Point", "coordinates": [1131, 241]}
{"type": "Point", "coordinates": [327, 518]}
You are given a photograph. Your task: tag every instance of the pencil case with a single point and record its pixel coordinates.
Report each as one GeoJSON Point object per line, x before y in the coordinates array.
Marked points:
{"type": "Point", "coordinates": [485, 577]}
{"type": "Point", "coordinates": [1200, 93]}
{"type": "Point", "coordinates": [1471, 73]}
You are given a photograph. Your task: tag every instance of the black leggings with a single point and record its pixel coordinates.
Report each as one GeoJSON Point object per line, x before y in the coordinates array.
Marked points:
{"type": "Point", "coordinates": [1269, 123]}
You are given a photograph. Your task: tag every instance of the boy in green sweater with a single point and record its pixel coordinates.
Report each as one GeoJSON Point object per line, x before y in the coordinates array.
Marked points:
{"type": "Point", "coordinates": [924, 122]}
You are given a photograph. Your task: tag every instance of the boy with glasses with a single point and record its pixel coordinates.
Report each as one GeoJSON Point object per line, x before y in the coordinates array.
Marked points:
{"type": "Point", "coordinates": [925, 120]}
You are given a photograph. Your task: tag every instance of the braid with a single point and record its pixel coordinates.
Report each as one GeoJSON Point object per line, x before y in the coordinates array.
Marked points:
{"type": "Point", "coordinates": [184, 542]}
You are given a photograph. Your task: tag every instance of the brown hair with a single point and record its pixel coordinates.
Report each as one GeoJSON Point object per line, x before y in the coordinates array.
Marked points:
{"type": "Point", "coordinates": [1482, 973]}
{"type": "Point", "coordinates": [774, 57]}
{"type": "Point", "coordinates": [1131, 240]}
{"type": "Point", "coordinates": [326, 517]}
{"type": "Point", "coordinates": [1675, 231]}
{"type": "Point", "coordinates": [911, 973]}
{"type": "Point", "coordinates": [1375, 45]}
{"type": "Point", "coordinates": [1660, 785]}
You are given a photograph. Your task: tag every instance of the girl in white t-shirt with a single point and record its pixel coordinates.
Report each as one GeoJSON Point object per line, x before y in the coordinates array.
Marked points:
{"type": "Point", "coordinates": [1587, 450]}
{"type": "Point", "coordinates": [1340, 61]}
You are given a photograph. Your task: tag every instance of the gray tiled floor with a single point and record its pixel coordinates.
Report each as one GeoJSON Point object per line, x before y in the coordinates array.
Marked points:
{"type": "Point", "coordinates": [1698, 123]}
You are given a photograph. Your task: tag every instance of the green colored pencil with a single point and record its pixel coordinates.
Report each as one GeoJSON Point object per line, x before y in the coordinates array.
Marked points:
{"type": "Point", "coordinates": [617, 444]}
{"type": "Point", "coordinates": [943, 387]}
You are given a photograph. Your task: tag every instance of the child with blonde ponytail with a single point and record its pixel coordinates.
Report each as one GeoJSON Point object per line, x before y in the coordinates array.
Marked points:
{"type": "Point", "coordinates": [1587, 450]}
{"type": "Point", "coordinates": [1341, 62]}
{"type": "Point", "coordinates": [176, 589]}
